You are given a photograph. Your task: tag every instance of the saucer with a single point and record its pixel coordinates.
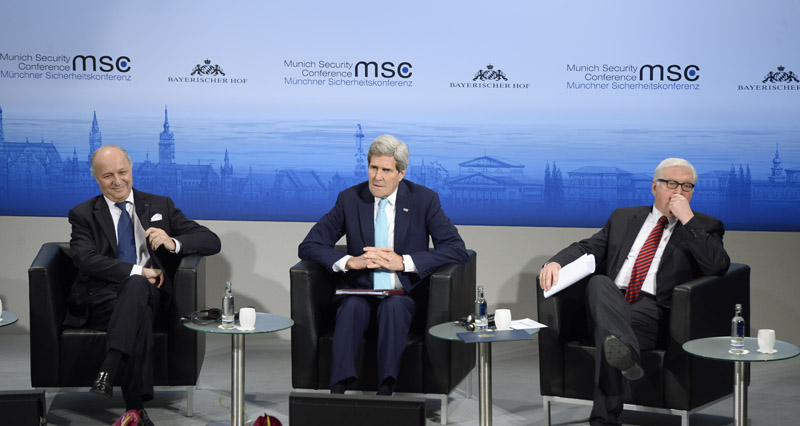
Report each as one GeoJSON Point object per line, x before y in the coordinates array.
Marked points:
{"type": "Point", "coordinates": [240, 328]}
{"type": "Point", "coordinates": [767, 352]}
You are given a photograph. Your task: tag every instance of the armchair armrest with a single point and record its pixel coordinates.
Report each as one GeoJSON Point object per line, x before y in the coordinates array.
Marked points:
{"type": "Point", "coordinates": [187, 348]}
{"type": "Point", "coordinates": [50, 277]}
{"type": "Point", "coordinates": [451, 296]}
{"type": "Point", "coordinates": [311, 290]}
{"type": "Point", "coordinates": [564, 314]}
{"type": "Point", "coordinates": [702, 308]}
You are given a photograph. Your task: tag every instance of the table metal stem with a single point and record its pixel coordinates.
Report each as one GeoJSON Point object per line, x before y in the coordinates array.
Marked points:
{"type": "Point", "coordinates": [739, 394]}
{"type": "Point", "coordinates": [485, 383]}
{"type": "Point", "coordinates": [237, 380]}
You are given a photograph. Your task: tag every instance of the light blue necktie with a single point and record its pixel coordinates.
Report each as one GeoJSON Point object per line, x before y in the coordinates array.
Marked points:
{"type": "Point", "coordinates": [126, 242]}
{"type": "Point", "coordinates": [381, 280]}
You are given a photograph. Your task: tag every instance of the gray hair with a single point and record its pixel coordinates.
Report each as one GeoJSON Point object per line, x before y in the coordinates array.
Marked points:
{"type": "Point", "coordinates": [94, 154]}
{"type": "Point", "coordinates": [390, 146]}
{"type": "Point", "coordinates": [674, 162]}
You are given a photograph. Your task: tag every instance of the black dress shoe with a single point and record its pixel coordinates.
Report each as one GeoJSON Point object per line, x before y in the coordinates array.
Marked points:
{"type": "Point", "coordinates": [338, 388]}
{"type": "Point", "coordinates": [384, 390]}
{"type": "Point", "coordinates": [103, 385]}
{"type": "Point", "coordinates": [144, 419]}
{"type": "Point", "coordinates": [620, 356]}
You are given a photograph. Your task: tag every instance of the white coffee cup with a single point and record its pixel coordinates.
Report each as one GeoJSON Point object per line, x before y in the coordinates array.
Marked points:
{"type": "Point", "coordinates": [766, 340]}
{"type": "Point", "coordinates": [502, 319]}
{"type": "Point", "coordinates": [247, 318]}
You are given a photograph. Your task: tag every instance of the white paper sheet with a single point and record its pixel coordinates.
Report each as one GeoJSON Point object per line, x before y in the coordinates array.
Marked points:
{"type": "Point", "coordinates": [525, 323]}
{"type": "Point", "coordinates": [573, 272]}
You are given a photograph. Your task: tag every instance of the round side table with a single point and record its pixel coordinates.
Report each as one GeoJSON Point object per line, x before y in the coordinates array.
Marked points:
{"type": "Point", "coordinates": [8, 318]}
{"type": "Point", "coordinates": [265, 323]}
{"type": "Point", "coordinates": [449, 331]}
{"type": "Point", "coordinates": [717, 348]}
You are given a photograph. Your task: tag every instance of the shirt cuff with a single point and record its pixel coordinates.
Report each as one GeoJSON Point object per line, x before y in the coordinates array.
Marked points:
{"type": "Point", "coordinates": [408, 264]}
{"type": "Point", "coordinates": [340, 264]}
{"type": "Point", "coordinates": [136, 270]}
{"type": "Point", "coordinates": [177, 246]}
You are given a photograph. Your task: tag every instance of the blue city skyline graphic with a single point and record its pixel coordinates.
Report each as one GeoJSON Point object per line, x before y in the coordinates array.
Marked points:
{"type": "Point", "coordinates": [293, 171]}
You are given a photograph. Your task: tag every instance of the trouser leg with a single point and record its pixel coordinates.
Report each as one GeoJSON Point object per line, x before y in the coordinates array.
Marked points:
{"type": "Point", "coordinates": [352, 320]}
{"type": "Point", "coordinates": [130, 331]}
{"type": "Point", "coordinates": [394, 321]}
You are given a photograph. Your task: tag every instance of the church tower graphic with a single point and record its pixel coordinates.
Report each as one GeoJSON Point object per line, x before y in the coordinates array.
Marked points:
{"type": "Point", "coordinates": [166, 144]}
{"type": "Point", "coordinates": [95, 137]}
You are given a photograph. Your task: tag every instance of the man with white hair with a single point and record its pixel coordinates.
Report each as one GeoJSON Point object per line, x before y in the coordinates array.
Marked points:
{"type": "Point", "coordinates": [388, 222]}
{"type": "Point", "coordinates": [641, 254]}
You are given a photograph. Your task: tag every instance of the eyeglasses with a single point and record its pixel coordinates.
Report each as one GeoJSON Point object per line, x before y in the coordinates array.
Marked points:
{"type": "Point", "coordinates": [672, 184]}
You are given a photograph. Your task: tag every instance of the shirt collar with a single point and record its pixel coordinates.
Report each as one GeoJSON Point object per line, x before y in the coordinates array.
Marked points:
{"type": "Point", "coordinates": [114, 204]}
{"type": "Point", "coordinates": [392, 197]}
{"type": "Point", "coordinates": [656, 214]}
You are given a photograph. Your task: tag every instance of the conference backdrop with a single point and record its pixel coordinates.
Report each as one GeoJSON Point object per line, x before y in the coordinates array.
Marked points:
{"type": "Point", "coordinates": [529, 113]}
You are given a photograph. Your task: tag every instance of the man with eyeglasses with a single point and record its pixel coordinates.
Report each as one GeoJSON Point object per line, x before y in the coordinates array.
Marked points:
{"type": "Point", "coordinates": [641, 254]}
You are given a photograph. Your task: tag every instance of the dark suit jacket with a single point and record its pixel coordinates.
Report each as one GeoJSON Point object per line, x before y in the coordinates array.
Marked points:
{"type": "Point", "coordinates": [93, 245]}
{"type": "Point", "coordinates": [693, 250]}
{"type": "Point", "coordinates": [418, 219]}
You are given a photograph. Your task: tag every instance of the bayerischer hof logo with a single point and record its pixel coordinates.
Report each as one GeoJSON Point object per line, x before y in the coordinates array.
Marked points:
{"type": "Point", "coordinates": [489, 78]}
{"type": "Point", "coordinates": [781, 76]}
{"type": "Point", "coordinates": [490, 74]}
{"type": "Point", "coordinates": [207, 69]}
{"type": "Point", "coordinates": [779, 79]}
{"type": "Point", "coordinates": [207, 73]}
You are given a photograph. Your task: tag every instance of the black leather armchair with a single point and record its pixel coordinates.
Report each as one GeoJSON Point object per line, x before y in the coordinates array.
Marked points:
{"type": "Point", "coordinates": [429, 365]}
{"type": "Point", "coordinates": [675, 382]}
{"type": "Point", "coordinates": [62, 358]}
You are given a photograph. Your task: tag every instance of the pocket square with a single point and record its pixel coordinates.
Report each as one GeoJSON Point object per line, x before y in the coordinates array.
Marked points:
{"type": "Point", "coordinates": [155, 217]}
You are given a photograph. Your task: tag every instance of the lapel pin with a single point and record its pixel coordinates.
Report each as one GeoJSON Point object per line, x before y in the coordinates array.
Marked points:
{"type": "Point", "coordinates": [405, 209]}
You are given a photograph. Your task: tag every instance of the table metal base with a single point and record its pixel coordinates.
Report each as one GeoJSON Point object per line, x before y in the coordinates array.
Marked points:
{"type": "Point", "coordinates": [237, 380]}
{"type": "Point", "coordinates": [740, 393]}
{"type": "Point", "coordinates": [485, 384]}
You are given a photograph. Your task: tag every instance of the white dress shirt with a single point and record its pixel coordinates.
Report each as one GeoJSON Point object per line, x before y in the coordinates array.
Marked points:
{"type": "Point", "coordinates": [624, 275]}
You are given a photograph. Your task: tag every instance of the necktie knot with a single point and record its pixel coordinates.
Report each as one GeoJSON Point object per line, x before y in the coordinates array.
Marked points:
{"type": "Point", "coordinates": [122, 205]}
{"type": "Point", "coordinates": [382, 203]}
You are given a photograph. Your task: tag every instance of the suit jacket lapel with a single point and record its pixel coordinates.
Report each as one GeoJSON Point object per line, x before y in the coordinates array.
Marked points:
{"type": "Point", "coordinates": [103, 217]}
{"type": "Point", "coordinates": [674, 240]}
{"type": "Point", "coordinates": [402, 218]}
{"type": "Point", "coordinates": [142, 209]}
{"type": "Point", "coordinates": [631, 231]}
{"type": "Point", "coordinates": [366, 217]}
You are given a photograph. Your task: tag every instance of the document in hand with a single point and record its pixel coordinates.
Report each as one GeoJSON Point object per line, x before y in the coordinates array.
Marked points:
{"type": "Point", "coordinates": [573, 272]}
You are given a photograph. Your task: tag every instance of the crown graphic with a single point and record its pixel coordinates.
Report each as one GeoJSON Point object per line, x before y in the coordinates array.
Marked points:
{"type": "Point", "coordinates": [490, 66]}
{"type": "Point", "coordinates": [207, 61]}
{"type": "Point", "coordinates": [781, 68]}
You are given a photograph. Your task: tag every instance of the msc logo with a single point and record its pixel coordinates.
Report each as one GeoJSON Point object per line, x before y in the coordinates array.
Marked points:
{"type": "Point", "coordinates": [674, 72]}
{"type": "Point", "coordinates": [388, 69]}
{"type": "Point", "coordinates": [107, 63]}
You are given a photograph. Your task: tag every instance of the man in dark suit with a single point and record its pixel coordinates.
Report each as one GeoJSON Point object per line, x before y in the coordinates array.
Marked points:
{"type": "Point", "coordinates": [407, 216]}
{"type": "Point", "coordinates": [641, 254]}
{"type": "Point", "coordinates": [122, 243]}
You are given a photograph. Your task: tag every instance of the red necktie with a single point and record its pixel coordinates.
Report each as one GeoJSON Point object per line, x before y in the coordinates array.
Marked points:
{"type": "Point", "coordinates": [643, 261]}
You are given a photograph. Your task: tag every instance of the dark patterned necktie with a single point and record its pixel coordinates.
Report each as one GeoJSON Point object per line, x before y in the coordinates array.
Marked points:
{"type": "Point", "coordinates": [126, 242]}
{"type": "Point", "coordinates": [643, 261]}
